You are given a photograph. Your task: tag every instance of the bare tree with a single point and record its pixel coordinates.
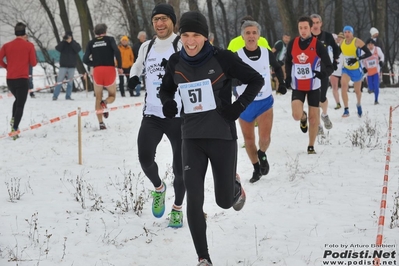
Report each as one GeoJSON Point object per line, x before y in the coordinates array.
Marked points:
{"type": "Point", "coordinates": [52, 19]}
{"type": "Point", "coordinates": [131, 16]}
{"type": "Point", "coordinates": [286, 8]}
{"type": "Point", "coordinates": [392, 36]}
{"type": "Point", "coordinates": [224, 19]}
{"type": "Point", "coordinates": [193, 5]}
{"type": "Point", "coordinates": [130, 13]}
{"type": "Point", "coordinates": [248, 7]}
{"type": "Point", "coordinates": [146, 23]}
{"type": "Point", "coordinates": [64, 15]}
{"type": "Point", "coordinates": [338, 13]}
{"type": "Point", "coordinates": [256, 7]}
{"type": "Point", "coordinates": [176, 6]}
{"type": "Point", "coordinates": [86, 21]}
{"type": "Point", "coordinates": [321, 8]}
{"type": "Point", "coordinates": [269, 25]}
{"type": "Point", "coordinates": [86, 27]}
{"type": "Point", "coordinates": [212, 25]}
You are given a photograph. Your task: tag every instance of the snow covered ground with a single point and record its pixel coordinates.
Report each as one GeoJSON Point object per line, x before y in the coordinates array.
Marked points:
{"type": "Point", "coordinates": [308, 205]}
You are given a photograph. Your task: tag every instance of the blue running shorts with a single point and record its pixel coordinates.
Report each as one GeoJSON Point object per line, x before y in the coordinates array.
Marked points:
{"type": "Point", "coordinates": [354, 74]}
{"type": "Point", "coordinates": [256, 108]}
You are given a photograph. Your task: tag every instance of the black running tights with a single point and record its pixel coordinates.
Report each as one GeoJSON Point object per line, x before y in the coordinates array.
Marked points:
{"type": "Point", "coordinates": [19, 88]}
{"type": "Point", "coordinates": [150, 134]}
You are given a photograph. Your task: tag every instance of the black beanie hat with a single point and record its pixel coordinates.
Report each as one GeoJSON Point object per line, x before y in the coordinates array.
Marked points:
{"type": "Point", "coordinates": [194, 21]}
{"type": "Point", "coordinates": [164, 9]}
{"type": "Point", "coordinates": [68, 33]}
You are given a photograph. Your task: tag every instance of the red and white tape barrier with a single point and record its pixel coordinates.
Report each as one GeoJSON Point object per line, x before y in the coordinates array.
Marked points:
{"type": "Point", "coordinates": [68, 115]}
{"type": "Point", "coordinates": [383, 204]}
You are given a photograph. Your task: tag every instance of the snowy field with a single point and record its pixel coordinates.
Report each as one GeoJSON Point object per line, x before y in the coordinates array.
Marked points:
{"type": "Point", "coordinates": [99, 213]}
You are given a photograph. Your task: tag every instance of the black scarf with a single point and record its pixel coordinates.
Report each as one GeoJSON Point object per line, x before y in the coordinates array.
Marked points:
{"type": "Point", "coordinates": [201, 58]}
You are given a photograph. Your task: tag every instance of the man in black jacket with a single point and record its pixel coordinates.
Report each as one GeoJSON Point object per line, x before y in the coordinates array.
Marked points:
{"type": "Point", "coordinates": [203, 74]}
{"type": "Point", "coordinates": [69, 50]}
{"type": "Point", "coordinates": [334, 51]}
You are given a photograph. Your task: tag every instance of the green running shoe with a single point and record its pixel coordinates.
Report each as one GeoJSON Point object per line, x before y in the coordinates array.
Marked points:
{"type": "Point", "coordinates": [176, 219]}
{"type": "Point", "coordinates": [158, 204]}
{"type": "Point", "coordinates": [13, 134]}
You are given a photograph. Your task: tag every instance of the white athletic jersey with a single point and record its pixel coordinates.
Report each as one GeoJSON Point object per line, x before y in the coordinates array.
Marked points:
{"type": "Point", "coordinates": [262, 65]}
{"type": "Point", "coordinates": [281, 55]}
{"type": "Point", "coordinates": [338, 72]}
{"type": "Point", "coordinates": [154, 74]}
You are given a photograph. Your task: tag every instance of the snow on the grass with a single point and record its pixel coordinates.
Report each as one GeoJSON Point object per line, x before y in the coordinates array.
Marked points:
{"type": "Point", "coordinates": [306, 205]}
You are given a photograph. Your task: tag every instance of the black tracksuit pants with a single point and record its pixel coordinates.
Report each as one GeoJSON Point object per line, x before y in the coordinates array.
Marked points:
{"type": "Point", "coordinates": [150, 134]}
{"type": "Point", "coordinates": [19, 88]}
{"type": "Point", "coordinates": [222, 154]}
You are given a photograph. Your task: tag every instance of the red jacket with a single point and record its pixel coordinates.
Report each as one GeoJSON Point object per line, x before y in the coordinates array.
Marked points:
{"type": "Point", "coordinates": [18, 54]}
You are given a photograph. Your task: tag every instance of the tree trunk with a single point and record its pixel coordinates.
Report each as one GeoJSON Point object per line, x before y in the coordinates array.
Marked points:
{"type": "Point", "coordinates": [129, 8]}
{"type": "Point", "coordinates": [225, 21]}
{"type": "Point", "coordinates": [338, 13]}
{"type": "Point", "coordinates": [321, 8]}
{"type": "Point", "coordinates": [86, 27]}
{"type": "Point", "coordinates": [248, 7]}
{"type": "Point", "coordinates": [212, 25]}
{"type": "Point", "coordinates": [84, 18]}
{"type": "Point", "coordinates": [193, 5]}
{"type": "Point", "coordinates": [287, 17]}
{"type": "Point", "coordinates": [269, 27]}
{"type": "Point", "coordinates": [52, 20]}
{"type": "Point", "coordinates": [45, 52]}
{"type": "Point", "coordinates": [256, 9]}
{"type": "Point", "coordinates": [156, 2]}
{"type": "Point", "coordinates": [176, 6]}
{"type": "Point", "coordinates": [147, 26]}
{"type": "Point", "coordinates": [64, 16]}
{"type": "Point", "coordinates": [380, 19]}
{"type": "Point", "coordinates": [300, 9]}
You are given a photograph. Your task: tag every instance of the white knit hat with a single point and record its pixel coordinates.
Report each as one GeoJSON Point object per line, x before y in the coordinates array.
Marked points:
{"type": "Point", "coordinates": [373, 31]}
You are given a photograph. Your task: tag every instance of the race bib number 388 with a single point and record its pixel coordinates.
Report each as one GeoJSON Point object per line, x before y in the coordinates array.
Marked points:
{"type": "Point", "coordinates": [197, 96]}
{"type": "Point", "coordinates": [303, 71]}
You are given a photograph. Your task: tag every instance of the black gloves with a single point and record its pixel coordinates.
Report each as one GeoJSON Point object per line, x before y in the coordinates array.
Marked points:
{"type": "Point", "coordinates": [364, 70]}
{"type": "Point", "coordinates": [351, 61]}
{"type": "Point", "coordinates": [335, 64]}
{"type": "Point", "coordinates": [381, 63]}
{"type": "Point", "coordinates": [232, 111]}
{"type": "Point", "coordinates": [164, 63]}
{"type": "Point", "coordinates": [133, 82]}
{"type": "Point", "coordinates": [169, 109]}
{"type": "Point", "coordinates": [319, 74]}
{"type": "Point", "coordinates": [282, 89]}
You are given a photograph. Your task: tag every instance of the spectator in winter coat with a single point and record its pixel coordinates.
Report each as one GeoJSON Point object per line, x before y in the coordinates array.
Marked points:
{"type": "Point", "coordinates": [374, 33]}
{"type": "Point", "coordinates": [127, 62]}
{"type": "Point", "coordinates": [142, 36]}
{"type": "Point", "coordinates": [69, 50]}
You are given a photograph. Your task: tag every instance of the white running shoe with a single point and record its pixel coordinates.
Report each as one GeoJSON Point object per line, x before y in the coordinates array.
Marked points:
{"type": "Point", "coordinates": [327, 122]}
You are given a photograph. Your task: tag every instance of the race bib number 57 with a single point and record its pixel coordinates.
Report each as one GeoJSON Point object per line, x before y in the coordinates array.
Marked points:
{"type": "Point", "coordinates": [197, 96]}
